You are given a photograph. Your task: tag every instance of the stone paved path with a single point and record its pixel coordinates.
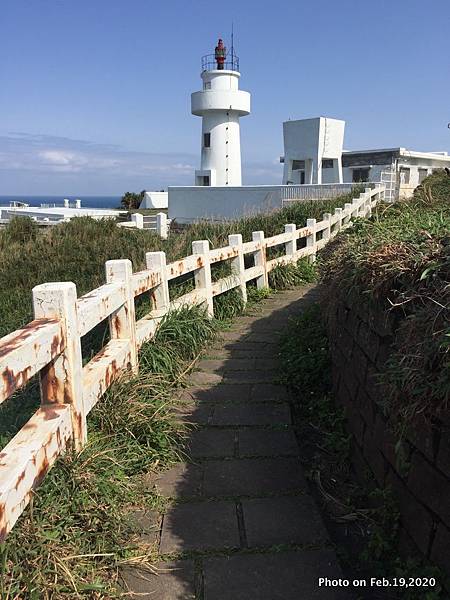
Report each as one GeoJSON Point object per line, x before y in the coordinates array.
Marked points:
{"type": "Point", "coordinates": [243, 525]}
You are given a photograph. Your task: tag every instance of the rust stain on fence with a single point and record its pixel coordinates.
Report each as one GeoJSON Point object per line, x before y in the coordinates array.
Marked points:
{"type": "Point", "coordinates": [23, 334]}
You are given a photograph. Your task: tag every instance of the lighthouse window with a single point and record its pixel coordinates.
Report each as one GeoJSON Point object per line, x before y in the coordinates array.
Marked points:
{"type": "Point", "coordinates": [207, 85]}
{"type": "Point", "coordinates": [297, 165]}
{"type": "Point", "coordinates": [206, 140]}
{"type": "Point", "coordinates": [327, 163]}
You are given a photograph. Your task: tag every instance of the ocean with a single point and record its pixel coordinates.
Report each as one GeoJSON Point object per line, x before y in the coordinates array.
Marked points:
{"type": "Point", "coordinates": [86, 201]}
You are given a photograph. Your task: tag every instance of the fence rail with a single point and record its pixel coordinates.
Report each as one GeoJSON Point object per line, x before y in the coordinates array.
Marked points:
{"type": "Point", "coordinates": [50, 346]}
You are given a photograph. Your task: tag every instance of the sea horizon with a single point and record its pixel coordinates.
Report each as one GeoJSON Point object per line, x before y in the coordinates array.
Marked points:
{"type": "Point", "coordinates": [94, 201]}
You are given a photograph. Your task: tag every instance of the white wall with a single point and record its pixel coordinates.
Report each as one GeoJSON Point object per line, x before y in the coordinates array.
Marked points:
{"type": "Point", "coordinates": [312, 140]}
{"type": "Point", "coordinates": [188, 204]}
{"type": "Point", "coordinates": [155, 200]}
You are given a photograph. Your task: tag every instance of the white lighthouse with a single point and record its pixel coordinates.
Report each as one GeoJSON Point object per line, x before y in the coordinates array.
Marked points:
{"type": "Point", "coordinates": [220, 104]}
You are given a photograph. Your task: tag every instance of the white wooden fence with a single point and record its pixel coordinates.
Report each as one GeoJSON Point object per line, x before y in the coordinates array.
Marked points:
{"type": "Point", "coordinates": [50, 346]}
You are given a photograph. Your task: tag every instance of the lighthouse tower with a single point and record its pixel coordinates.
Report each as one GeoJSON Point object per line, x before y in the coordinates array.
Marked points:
{"type": "Point", "coordinates": [220, 104]}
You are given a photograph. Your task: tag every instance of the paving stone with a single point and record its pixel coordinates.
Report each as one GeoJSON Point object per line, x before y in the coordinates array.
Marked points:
{"type": "Point", "coordinates": [181, 481]}
{"type": "Point", "coordinates": [265, 376]}
{"type": "Point", "coordinates": [200, 526]}
{"type": "Point", "coordinates": [145, 524]}
{"type": "Point", "coordinates": [268, 391]}
{"type": "Point", "coordinates": [233, 336]}
{"type": "Point", "coordinates": [283, 520]}
{"type": "Point", "coordinates": [199, 414]}
{"type": "Point", "coordinates": [254, 347]}
{"type": "Point", "coordinates": [263, 338]}
{"type": "Point", "coordinates": [222, 393]}
{"type": "Point", "coordinates": [273, 576]}
{"type": "Point", "coordinates": [211, 443]}
{"type": "Point", "coordinates": [267, 442]}
{"type": "Point", "coordinates": [250, 477]}
{"type": "Point", "coordinates": [204, 379]}
{"type": "Point", "coordinates": [227, 364]}
{"type": "Point", "coordinates": [173, 581]}
{"type": "Point", "coordinates": [251, 414]}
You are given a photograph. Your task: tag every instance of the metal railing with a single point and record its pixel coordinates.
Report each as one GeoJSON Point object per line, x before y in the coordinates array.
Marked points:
{"type": "Point", "coordinates": [322, 191]}
{"type": "Point", "coordinates": [50, 346]}
{"type": "Point", "coordinates": [231, 63]}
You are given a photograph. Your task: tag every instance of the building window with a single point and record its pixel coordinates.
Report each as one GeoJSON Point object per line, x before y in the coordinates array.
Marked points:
{"type": "Point", "coordinates": [360, 175]}
{"type": "Point", "coordinates": [298, 165]}
{"type": "Point", "coordinates": [327, 163]}
{"type": "Point", "coordinates": [206, 140]}
{"type": "Point", "coordinates": [422, 174]}
{"type": "Point", "coordinates": [206, 180]}
{"type": "Point", "coordinates": [404, 175]}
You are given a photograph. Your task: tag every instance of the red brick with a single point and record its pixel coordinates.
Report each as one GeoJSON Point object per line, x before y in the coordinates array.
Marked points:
{"type": "Point", "coordinates": [355, 423]}
{"type": "Point", "coordinates": [443, 455]}
{"type": "Point", "coordinates": [359, 363]}
{"type": "Point", "coordinates": [416, 519]}
{"type": "Point", "coordinates": [430, 486]}
{"type": "Point", "coordinates": [423, 435]}
{"type": "Point", "coordinates": [406, 547]}
{"type": "Point", "coordinates": [440, 554]}
{"type": "Point", "coordinates": [367, 408]}
{"type": "Point", "coordinates": [374, 457]}
{"type": "Point", "coordinates": [359, 464]}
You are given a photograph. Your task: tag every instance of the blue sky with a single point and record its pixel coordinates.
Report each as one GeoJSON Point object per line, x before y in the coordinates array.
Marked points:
{"type": "Point", "coordinates": [95, 94]}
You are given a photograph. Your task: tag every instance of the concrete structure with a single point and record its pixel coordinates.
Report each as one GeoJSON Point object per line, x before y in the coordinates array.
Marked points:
{"type": "Point", "coordinates": [51, 214]}
{"type": "Point", "coordinates": [313, 154]}
{"type": "Point", "coordinates": [399, 169]}
{"type": "Point", "coordinates": [220, 104]}
{"type": "Point", "coordinates": [312, 151]}
{"type": "Point", "coordinates": [155, 200]}
{"type": "Point", "coordinates": [191, 203]}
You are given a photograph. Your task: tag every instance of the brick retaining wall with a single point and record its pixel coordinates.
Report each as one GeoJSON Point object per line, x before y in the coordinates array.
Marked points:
{"type": "Point", "coordinates": [419, 471]}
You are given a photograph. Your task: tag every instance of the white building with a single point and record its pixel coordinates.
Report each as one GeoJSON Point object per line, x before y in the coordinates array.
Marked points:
{"type": "Point", "coordinates": [220, 104]}
{"type": "Point", "coordinates": [312, 151]}
{"type": "Point", "coordinates": [313, 155]}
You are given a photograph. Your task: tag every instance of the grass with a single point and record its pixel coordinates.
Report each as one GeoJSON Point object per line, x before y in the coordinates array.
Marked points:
{"type": "Point", "coordinates": [73, 539]}
{"type": "Point", "coordinates": [75, 535]}
{"type": "Point", "coordinates": [399, 262]}
{"type": "Point", "coordinates": [363, 519]}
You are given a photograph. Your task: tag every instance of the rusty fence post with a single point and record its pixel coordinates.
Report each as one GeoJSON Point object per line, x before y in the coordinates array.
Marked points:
{"type": "Point", "coordinates": [156, 261]}
{"type": "Point", "coordinates": [290, 247]}
{"type": "Point", "coordinates": [202, 274]}
{"type": "Point", "coordinates": [237, 263]}
{"type": "Point", "coordinates": [260, 259]}
{"type": "Point", "coordinates": [61, 381]}
{"type": "Point", "coordinates": [122, 323]}
{"type": "Point", "coordinates": [311, 240]}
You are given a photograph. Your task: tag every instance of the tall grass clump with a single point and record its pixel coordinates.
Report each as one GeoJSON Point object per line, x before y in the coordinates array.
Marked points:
{"type": "Point", "coordinates": [399, 262]}
{"type": "Point", "coordinates": [77, 532]}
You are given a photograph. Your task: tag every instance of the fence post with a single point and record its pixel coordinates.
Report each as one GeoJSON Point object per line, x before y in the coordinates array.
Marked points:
{"type": "Point", "coordinates": [260, 259]}
{"type": "Point", "coordinates": [122, 323]}
{"type": "Point", "coordinates": [327, 231]}
{"type": "Point", "coordinates": [161, 225]}
{"type": "Point", "coordinates": [338, 213]}
{"type": "Point", "coordinates": [348, 207]}
{"type": "Point", "coordinates": [156, 261]}
{"type": "Point", "coordinates": [311, 239]}
{"type": "Point", "coordinates": [202, 275]}
{"type": "Point", "coordinates": [291, 246]}
{"type": "Point", "coordinates": [237, 263]}
{"type": "Point", "coordinates": [61, 381]}
{"type": "Point", "coordinates": [138, 220]}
